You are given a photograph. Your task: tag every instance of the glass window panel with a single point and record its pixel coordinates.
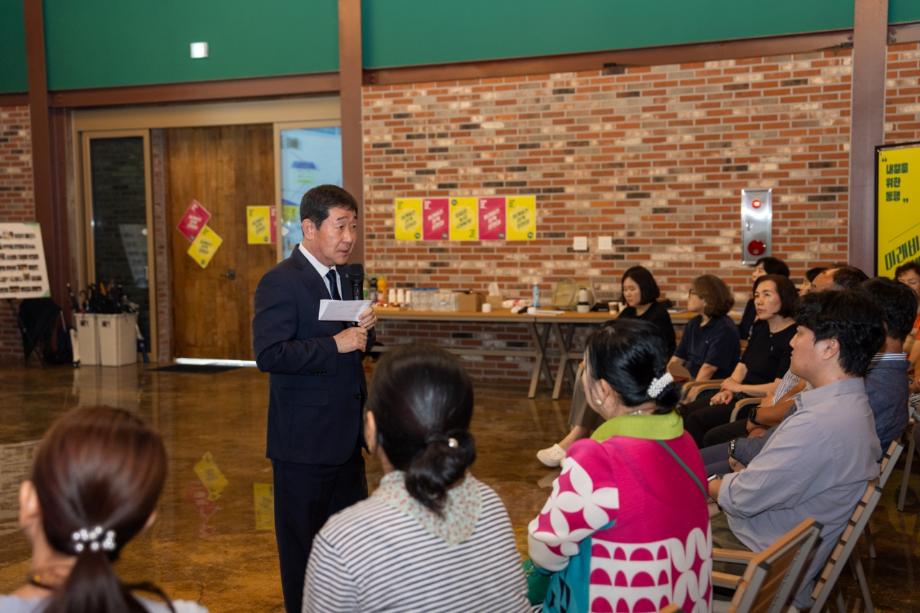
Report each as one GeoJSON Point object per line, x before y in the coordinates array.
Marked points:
{"type": "Point", "coordinates": [120, 219]}
{"type": "Point", "coordinates": [309, 157]}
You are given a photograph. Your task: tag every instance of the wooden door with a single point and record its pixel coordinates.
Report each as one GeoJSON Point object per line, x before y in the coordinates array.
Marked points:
{"type": "Point", "coordinates": [226, 169]}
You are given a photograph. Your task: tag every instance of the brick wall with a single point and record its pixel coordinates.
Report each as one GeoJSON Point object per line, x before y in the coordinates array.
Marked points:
{"type": "Point", "coordinates": [17, 204]}
{"type": "Point", "coordinates": [654, 157]}
{"type": "Point", "coordinates": [651, 156]}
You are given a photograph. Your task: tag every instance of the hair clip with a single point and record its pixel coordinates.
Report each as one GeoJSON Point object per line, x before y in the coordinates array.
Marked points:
{"type": "Point", "coordinates": [96, 539]}
{"type": "Point", "coordinates": [658, 384]}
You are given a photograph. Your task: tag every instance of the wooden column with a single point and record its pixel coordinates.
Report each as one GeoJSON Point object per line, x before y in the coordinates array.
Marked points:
{"type": "Point", "coordinates": [350, 80]}
{"type": "Point", "coordinates": [867, 128]}
{"type": "Point", "coordinates": [50, 204]}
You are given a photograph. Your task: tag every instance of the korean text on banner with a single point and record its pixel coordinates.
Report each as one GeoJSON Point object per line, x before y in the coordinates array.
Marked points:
{"type": "Point", "coordinates": [492, 218]}
{"type": "Point", "coordinates": [522, 218]}
{"type": "Point", "coordinates": [195, 218]}
{"type": "Point", "coordinates": [435, 219]}
{"type": "Point", "coordinates": [407, 220]}
{"type": "Point", "coordinates": [259, 225]}
{"type": "Point", "coordinates": [898, 202]}
{"type": "Point", "coordinates": [464, 219]}
{"type": "Point", "coordinates": [204, 246]}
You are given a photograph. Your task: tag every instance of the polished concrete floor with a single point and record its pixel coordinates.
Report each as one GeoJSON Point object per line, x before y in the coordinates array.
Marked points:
{"type": "Point", "coordinates": [213, 542]}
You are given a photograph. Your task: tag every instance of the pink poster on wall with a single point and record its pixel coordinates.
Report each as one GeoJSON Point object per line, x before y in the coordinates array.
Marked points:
{"type": "Point", "coordinates": [492, 218]}
{"type": "Point", "coordinates": [435, 217]}
{"type": "Point", "coordinates": [195, 218]}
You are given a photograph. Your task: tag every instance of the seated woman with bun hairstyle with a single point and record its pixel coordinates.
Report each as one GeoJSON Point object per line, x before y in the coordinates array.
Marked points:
{"type": "Point", "coordinates": [96, 479]}
{"type": "Point", "coordinates": [626, 527]}
{"type": "Point", "coordinates": [431, 537]}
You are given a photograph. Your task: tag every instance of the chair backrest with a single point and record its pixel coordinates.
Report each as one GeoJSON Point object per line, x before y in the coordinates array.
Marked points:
{"type": "Point", "coordinates": [771, 575]}
{"type": "Point", "coordinates": [888, 462]}
{"type": "Point", "coordinates": [845, 544]}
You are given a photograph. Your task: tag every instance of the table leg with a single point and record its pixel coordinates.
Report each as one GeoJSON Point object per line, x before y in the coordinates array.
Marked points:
{"type": "Point", "coordinates": [540, 365]}
{"type": "Point", "coordinates": [565, 363]}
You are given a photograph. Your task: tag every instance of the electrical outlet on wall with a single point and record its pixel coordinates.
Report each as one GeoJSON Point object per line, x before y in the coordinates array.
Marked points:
{"type": "Point", "coordinates": [605, 243]}
{"type": "Point", "coordinates": [580, 243]}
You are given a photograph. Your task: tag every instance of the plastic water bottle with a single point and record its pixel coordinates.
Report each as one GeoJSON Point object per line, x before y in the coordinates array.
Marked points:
{"type": "Point", "coordinates": [536, 295]}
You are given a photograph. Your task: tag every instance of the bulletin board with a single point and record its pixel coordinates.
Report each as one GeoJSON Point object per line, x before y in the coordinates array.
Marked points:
{"type": "Point", "coordinates": [897, 206]}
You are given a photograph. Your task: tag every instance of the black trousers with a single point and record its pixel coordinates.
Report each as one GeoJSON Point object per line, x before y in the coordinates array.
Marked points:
{"type": "Point", "coordinates": [700, 417]}
{"type": "Point", "coordinates": [726, 432]}
{"type": "Point", "coordinates": [306, 495]}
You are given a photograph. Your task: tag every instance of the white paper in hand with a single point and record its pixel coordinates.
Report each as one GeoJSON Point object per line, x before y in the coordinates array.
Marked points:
{"type": "Point", "coordinates": [341, 310]}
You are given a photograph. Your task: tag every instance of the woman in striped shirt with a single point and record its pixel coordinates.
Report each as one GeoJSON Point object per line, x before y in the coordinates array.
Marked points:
{"type": "Point", "coordinates": [431, 537]}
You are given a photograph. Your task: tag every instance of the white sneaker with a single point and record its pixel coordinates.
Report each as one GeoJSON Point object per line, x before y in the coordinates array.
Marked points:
{"type": "Point", "coordinates": [551, 456]}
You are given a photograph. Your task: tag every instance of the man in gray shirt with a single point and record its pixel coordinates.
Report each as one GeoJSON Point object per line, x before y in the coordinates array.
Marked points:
{"type": "Point", "coordinates": [820, 458]}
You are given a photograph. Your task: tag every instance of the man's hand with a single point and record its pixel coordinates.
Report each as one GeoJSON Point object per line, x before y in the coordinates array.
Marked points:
{"type": "Point", "coordinates": [351, 339]}
{"type": "Point", "coordinates": [367, 319]}
{"type": "Point", "coordinates": [721, 397]}
{"type": "Point", "coordinates": [731, 385]}
{"type": "Point", "coordinates": [735, 465]}
{"type": "Point", "coordinates": [713, 488]}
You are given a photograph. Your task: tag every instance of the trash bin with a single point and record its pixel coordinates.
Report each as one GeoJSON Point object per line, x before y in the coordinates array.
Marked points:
{"type": "Point", "coordinates": [117, 339]}
{"type": "Point", "coordinates": [87, 337]}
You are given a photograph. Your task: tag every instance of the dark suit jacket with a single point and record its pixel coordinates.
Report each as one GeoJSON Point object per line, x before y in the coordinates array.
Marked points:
{"type": "Point", "coordinates": [316, 394]}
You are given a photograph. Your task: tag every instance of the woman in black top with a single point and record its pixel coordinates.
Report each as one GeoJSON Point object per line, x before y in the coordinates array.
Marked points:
{"type": "Point", "coordinates": [641, 293]}
{"type": "Point", "coordinates": [764, 266]}
{"type": "Point", "coordinates": [763, 364]}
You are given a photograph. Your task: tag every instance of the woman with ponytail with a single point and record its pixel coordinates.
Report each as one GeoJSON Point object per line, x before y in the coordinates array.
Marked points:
{"type": "Point", "coordinates": [95, 482]}
{"type": "Point", "coordinates": [627, 525]}
{"type": "Point", "coordinates": [431, 537]}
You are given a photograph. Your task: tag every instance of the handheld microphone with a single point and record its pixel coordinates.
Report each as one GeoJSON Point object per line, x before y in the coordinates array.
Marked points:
{"type": "Point", "coordinates": [354, 274]}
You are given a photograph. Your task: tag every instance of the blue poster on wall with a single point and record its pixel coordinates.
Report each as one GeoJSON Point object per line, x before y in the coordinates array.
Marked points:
{"type": "Point", "coordinates": [309, 157]}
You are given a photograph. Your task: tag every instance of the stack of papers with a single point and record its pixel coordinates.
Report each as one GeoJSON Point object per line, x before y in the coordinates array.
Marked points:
{"type": "Point", "coordinates": [342, 310]}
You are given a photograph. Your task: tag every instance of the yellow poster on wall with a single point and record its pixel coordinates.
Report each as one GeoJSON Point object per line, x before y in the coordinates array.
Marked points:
{"type": "Point", "coordinates": [897, 207]}
{"type": "Point", "coordinates": [464, 219]}
{"type": "Point", "coordinates": [258, 225]}
{"type": "Point", "coordinates": [522, 218]}
{"type": "Point", "coordinates": [204, 246]}
{"type": "Point", "coordinates": [408, 219]}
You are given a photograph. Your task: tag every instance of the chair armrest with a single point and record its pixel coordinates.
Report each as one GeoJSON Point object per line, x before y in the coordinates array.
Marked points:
{"type": "Point", "coordinates": [737, 556]}
{"type": "Point", "coordinates": [694, 388]}
{"type": "Point", "coordinates": [744, 402]}
{"type": "Point", "coordinates": [720, 579]}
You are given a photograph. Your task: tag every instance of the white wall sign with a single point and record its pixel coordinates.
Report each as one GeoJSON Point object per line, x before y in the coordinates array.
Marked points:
{"type": "Point", "coordinates": [23, 273]}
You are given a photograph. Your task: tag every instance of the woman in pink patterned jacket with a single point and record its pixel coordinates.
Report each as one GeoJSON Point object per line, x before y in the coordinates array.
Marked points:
{"type": "Point", "coordinates": [627, 525]}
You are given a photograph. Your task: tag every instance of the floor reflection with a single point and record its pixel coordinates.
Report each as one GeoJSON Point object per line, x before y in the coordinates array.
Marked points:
{"type": "Point", "coordinates": [213, 539]}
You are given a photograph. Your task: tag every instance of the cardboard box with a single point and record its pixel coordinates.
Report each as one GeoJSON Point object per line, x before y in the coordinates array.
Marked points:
{"type": "Point", "coordinates": [495, 301]}
{"type": "Point", "coordinates": [469, 303]}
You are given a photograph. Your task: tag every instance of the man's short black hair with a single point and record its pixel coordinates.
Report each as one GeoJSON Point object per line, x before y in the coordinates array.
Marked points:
{"type": "Point", "coordinates": [848, 316]}
{"type": "Point", "coordinates": [907, 267]}
{"type": "Point", "coordinates": [316, 203]}
{"type": "Point", "coordinates": [848, 277]}
{"type": "Point", "coordinates": [897, 302]}
{"type": "Point", "coordinates": [811, 273]}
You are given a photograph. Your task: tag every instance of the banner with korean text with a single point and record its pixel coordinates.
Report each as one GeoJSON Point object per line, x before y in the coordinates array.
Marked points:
{"type": "Point", "coordinates": [897, 206]}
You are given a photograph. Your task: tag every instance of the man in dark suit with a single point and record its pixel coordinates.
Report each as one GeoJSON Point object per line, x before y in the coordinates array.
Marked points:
{"type": "Point", "coordinates": [316, 384]}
